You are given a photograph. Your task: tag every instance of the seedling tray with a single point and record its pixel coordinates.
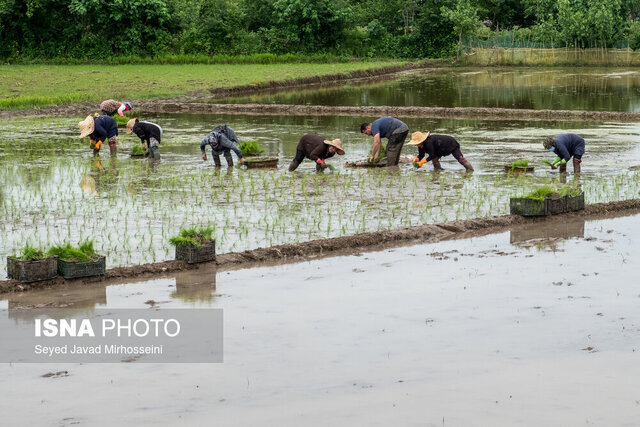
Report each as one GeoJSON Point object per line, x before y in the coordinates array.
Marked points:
{"type": "Point", "coordinates": [32, 271]}
{"type": "Point", "coordinates": [195, 254]}
{"type": "Point", "coordinates": [261, 162]}
{"type": "Point", "coordinates": [537, 207]}
{"type": "Point", "coordinates": [74, 269]}
{"type": "Point", "coordinates": [575, 203]}
{"type": "Point", "coordinates": [527, 207]}
{"type": "Point", "coordinates": [556, 206]}
{"type": "Point", "coordinates": [518, 169]}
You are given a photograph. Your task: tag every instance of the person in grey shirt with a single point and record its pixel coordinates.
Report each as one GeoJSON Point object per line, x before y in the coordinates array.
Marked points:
{"type": "Point", "coordinates": [394, 130]}
{"type": "Point", "coordinates": [220, 144]}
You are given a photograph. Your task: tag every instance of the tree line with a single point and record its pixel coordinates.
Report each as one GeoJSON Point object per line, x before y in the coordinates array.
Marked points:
{"type": "Point", "coordinates": [103, 29]}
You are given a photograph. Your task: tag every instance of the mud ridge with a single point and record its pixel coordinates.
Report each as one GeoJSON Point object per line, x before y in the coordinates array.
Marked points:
{"type": "Point", "coordinates": [377, 111]}
{"type": "Point", "coordinates": [174, 104]}
{"type": "Point", "coordinates": [345, 245]}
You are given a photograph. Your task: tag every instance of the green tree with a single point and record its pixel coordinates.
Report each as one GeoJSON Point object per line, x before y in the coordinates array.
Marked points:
{"type": "Point", "coordinates": [464, 16]}
{"type": "Point", "coordinates": [310, 25]}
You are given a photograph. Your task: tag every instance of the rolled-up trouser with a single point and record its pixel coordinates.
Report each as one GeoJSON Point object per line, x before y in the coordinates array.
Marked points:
{"type": "Point", "coordinates": [227, 156]}
{"type": "Point", "coordinates": [154, 147]}
{"type": "Point", "coordinates": [112, 145]}
{"type": "Point", "coordinates": [394, 146]}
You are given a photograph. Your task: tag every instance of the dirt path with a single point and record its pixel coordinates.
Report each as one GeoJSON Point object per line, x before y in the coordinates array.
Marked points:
{"type": "Point", "coordinates": [346, 245]}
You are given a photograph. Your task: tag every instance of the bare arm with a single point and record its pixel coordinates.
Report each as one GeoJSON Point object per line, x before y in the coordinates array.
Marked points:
{"type": "Point", "coordinates": [375, 150]}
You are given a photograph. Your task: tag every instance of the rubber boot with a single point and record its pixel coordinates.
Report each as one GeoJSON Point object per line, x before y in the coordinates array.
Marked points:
{"type": "Point", "coordinates": [113, 149]}
{"type": "Point", "coordinates": [562, 168]}
{"type": "Point", "coordinates": [464, 162]}
{"type": "Point", "coordinates": [576, 165]}
{"type": "Point", "coordinates": [217, 162]}
{"type": "Point", "coordinates": [293, 165]}
{"type": "Point", "coordinates": [436, 164]}
{"type": "Point", "coordinates": [155, 153]}
{"type": "Point", "coordinates": [229, 160]}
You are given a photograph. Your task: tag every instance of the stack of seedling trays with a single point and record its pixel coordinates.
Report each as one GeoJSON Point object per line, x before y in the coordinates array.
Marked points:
{"type": "Point", "coordinates": [546, 201]}
{"type": "Point", "coordinates": [195, 245]}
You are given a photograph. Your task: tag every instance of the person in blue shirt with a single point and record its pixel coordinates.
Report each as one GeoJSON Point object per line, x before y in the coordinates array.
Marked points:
{"type": "Point", "coordinates": [565, 146]}
{"type": "Point", "coordinates": [394, 130]}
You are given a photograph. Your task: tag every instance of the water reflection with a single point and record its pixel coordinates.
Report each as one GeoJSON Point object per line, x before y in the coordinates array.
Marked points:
{"type": "Point", "coordinates": [596, 89]}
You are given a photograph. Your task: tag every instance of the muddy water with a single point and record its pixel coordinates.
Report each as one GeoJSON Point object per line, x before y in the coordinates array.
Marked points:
{"type": "Point", "coordinates": [591, 89]}
{"type": "Point", "coordinates": [533, 326]}
{"type": "Point", "coordinates": [53, 191]}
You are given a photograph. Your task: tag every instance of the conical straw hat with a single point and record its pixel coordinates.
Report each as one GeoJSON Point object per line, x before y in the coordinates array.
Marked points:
{"type": "Point", "coordinates": [335, 143]}
{"type": "Point", "coordinates": [418, 138]}
{"type": "Point", "coordinates": [86, 127]}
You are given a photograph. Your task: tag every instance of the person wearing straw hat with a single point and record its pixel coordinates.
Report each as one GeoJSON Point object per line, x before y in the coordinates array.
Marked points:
{"type": "Point", "coordinates": [99, 129]}
{"type": "Point", "coordinates": [565, 146]}
{"type": "Point", "coordinates": [317, 149]}
{"type": "Point", "coordinates": [150, 135]}
{"type": "Point", "coordinates": [111, 107]}
{"type": "Point", "coordinates": [394, 130]}
{"type": "Point", "coordinates": [436, 146]}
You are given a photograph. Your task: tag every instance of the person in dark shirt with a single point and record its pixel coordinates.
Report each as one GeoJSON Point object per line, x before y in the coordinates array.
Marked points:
{"type": "Point", "coordinates": [436, 146]}
{"type": "Point", "coordinates": [565, 146]}
{"type": "Point", "coordinates": [150, 135]}
{"type": "Point", "coordinates": [315, 148]}
{"type": "Point", "coordinates": [100, 129]}
{"type": "Point", "coordinates": [394, 130]}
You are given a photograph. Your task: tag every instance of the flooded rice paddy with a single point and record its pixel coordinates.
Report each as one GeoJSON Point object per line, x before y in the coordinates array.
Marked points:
{"type": "Point", "coordinates": [53, 190]}
{"type": "Point", "coordinates": [536, 325]}
{"type": "Point", "coordinates": [586, 88]}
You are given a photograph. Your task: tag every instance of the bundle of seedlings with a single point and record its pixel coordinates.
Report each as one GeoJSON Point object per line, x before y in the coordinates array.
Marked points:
{"type": "Point", "coordinates": [137, 151]}
{"type": "Point", "coordinates": [32, 265]}
{"type": "Point", "coordinates": [82, 261]}
{"type": "Point", "coordinates": [251, 148]}
{"type": "Point", "coordinates": [195, 245]}
{"type": "Point", "coordinates": [521, 165]}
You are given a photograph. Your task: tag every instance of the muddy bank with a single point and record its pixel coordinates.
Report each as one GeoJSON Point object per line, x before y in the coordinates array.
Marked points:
{"type": "Point", "coordinates": [164, 105]}
{"type": "Point", "coordinates": [339, 245]}
{"type": "Point", "coordinates": [377, 111]}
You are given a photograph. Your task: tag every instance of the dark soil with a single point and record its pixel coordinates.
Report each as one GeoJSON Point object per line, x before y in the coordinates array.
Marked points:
{"type": "Point", "coordinates": [346, 245]}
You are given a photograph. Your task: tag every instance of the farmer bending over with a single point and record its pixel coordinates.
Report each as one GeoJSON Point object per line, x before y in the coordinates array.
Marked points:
{"type": "Point", "coordinates": [386, 127]}
{"type": "Point", "coordinates": [315, 148]}
{"type": "Point", "coordinates": [221, 144]}
{"type": "Point", "coordinates": [565, 146]}
{"type": "Point", "coordinates": [111, 107]}
{"type": "Point", "coordinates": [99, 129]}
{"type": "Point", "coordinates": [150, 135]}
{"type": "Point", "coordinates": [436, 146]}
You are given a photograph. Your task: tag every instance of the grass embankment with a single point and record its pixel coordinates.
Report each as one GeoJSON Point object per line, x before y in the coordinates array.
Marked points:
{"type": "Point", "coordinates": [32, 86]}
{"type": "Point", "coordinates": [550, 57]}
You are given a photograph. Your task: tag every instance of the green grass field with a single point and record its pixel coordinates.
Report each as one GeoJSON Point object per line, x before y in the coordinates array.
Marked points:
{"type": "Point", "coordinates": [29, 86]}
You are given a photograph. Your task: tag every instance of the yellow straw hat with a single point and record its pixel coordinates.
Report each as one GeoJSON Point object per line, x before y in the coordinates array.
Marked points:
{"type": "Point", "coordinates": [418, 138]}
{"type": "Point", "coordinates": [86, 126]}
{"type": "Point", "coordinates": [335, 143]}
{"type": "Point", "coordinates": [130, 124]}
